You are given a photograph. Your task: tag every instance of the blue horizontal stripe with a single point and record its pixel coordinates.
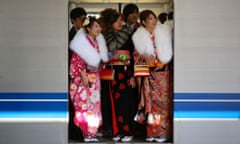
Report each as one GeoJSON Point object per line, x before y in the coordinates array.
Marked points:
{"type": "Point", "coordinates": [235, 96]}
{"type": "Point", "coordinates": [33, 106]}
{"type": "Point", "coordinates": [207, 114]}
{"type": "Point", "coordinates": [206, 106]}
{"type": "Point", "coordinates": [28, 114]}
{"type": "Point", "coordinates": [37, 95]}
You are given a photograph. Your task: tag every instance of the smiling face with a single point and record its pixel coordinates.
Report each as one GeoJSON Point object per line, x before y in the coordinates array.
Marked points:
{"type": "Point", "coordinates": [94, 30]}
{"type": "Point", "coordinates": [148, 19]}
{"type": "Point", "coordinates": [150, 22]}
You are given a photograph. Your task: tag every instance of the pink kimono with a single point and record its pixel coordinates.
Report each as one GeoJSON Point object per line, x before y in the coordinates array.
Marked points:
{"type": "Point", "coordinates": [86, 100]}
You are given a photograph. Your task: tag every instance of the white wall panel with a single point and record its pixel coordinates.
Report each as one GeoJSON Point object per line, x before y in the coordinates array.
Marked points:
{"type": "Point", "coordinates": [207, 46]}
{"type": "Point", "coordinates": [33, 45]}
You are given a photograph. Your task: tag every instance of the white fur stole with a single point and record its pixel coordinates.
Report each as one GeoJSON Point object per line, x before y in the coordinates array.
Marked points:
{"type": "Point", "coordinates": [81, 46]}
{"type": "Point", "coordinates": [163, 41]}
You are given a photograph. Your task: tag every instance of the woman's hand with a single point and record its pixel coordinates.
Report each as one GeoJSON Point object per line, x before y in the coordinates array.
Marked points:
{"type": "Point", "coordinates": [158, 65]}
{"type": "Point", "coordinates": [84, 78]}
{"type": "Point", "coordinates": [149, 59]}
{"type": "Point", "coordinates": [115, 56]}
{"type": "Point", "coordinates": [133, 82]}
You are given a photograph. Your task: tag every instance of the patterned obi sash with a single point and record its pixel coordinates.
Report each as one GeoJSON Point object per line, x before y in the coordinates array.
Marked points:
{"type": "Point", "coordinates": [156, 64]}
{"type": "Point", "coordinates": [123, 58]}
{"type": "Point", "coordinates": [119, 62]}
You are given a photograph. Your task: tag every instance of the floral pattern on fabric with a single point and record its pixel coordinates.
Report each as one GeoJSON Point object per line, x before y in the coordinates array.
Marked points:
{"type": "Point", "coordinates": [86, 100]}
{"type": "Point", "coordinates": [157, 102]}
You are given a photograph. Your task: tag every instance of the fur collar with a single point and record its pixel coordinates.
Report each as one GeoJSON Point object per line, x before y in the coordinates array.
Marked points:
{"type": "Point", "coordinates": [81, 46]}
{"type": "Point", "coordinates": [163, 41]}
{"type": "Point", "coordinates": [115, 40]}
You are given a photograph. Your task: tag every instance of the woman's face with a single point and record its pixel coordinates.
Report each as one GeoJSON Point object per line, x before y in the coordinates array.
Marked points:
{"type": "Point", "coordinates": [150, 22]}
{"type": "Point", "coordinates": [118, 24]}
{"type": "Point", "coordinates": [94, 30]}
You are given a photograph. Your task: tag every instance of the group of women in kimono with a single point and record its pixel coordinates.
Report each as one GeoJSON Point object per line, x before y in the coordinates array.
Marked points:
{"type": "Point", "coordinates": [97, 46]}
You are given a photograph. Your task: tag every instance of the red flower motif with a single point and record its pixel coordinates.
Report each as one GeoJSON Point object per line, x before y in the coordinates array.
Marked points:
{"type": "Point", "coordinates": [117, 95]}
{"type": "Point", "coordinates": [126, 127]}
{"type": "Point", "coordinates": [128, 82]}
{"type": "Point", "coordinates": [121, 86]}
{"type": "Point", "coordinates": [114, 82]}
{"type": "Point", "coordinates": [120, 119]}
{"type": "Point", "coordinates": [120, 76]}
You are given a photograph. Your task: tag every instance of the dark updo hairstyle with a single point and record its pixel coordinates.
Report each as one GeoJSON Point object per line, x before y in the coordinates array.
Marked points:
{"type": "Point", "coordinates": [129, 9]}
{"type": "Point", "coordinates": [91, 21]}
{"type": "Point", "coordinates": [145, 14]}
{"type": "Point", "coordinates": [108, 16]}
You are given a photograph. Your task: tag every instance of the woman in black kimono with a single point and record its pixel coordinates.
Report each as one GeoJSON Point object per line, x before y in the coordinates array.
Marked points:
{"type": "Point", "coordinates": [122, 90]}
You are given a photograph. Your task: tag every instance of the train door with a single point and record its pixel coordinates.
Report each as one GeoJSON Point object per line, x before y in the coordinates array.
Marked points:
{"type": "Point", "coordinates": [93, 8]}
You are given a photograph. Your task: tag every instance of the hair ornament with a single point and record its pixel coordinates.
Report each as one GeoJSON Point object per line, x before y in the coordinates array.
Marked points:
{"type": "Point", "coordinates": [86, 21]}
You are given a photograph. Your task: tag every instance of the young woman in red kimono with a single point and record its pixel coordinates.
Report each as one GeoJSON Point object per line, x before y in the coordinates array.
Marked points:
{"type": "Point", "coordinates": [153, 46]}
{"type": "Point", "coordinates": [89, 49]}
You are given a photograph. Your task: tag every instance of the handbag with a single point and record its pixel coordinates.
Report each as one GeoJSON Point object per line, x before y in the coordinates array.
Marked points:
{"type": "Point", "coordinates": [140, 116]}
{"type": "Point", "coordinates": [153, 119]}
{"type": "Point", "coordinates": [107, 74]}
{"type": "Point", "coordinates": [147, 118]}
{"type": "Point", "coordinates": [141, 69]}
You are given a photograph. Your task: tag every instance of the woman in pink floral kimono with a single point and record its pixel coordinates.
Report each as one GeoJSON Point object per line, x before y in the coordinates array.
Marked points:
{"type": "Point", "coordinates": [153, 47]}
{"type": "Point", "coordinates": [89, 49]}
